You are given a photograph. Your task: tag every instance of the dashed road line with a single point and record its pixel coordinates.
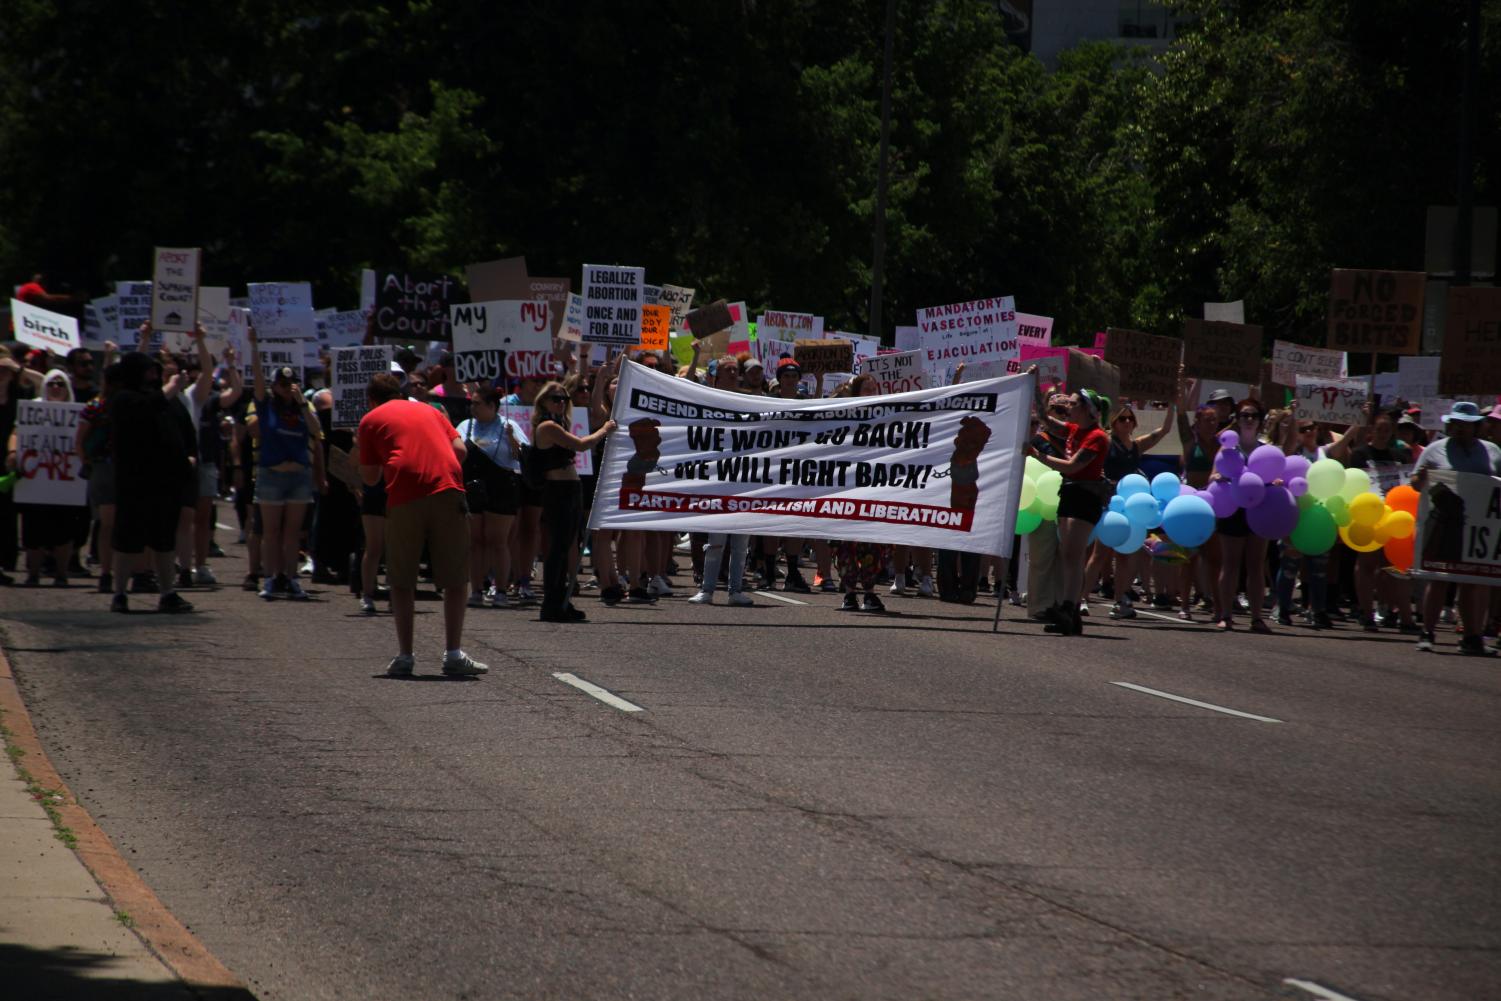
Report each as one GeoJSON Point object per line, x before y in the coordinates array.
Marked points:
{"type": "Point", "coordinates": [589, 688]}
{"type": "Point", "coordinates": [1318, 990]}
{"type": "Point", "coordinates": [1194, 702]}
{"type": "Point", "coordinates": [780, 597]}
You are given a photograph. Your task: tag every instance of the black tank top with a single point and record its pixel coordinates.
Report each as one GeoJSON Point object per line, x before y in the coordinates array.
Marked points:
{"type": "Point", "coordinates": [554, 456]}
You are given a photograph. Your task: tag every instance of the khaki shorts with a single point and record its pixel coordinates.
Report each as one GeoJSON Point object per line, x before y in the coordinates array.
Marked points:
{"type": "Point", "coordinates": [438, 522]}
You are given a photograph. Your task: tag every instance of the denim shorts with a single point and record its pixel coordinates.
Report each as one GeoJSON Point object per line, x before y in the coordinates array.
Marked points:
{"type": "Point", "coordinates": [208, 481]}
{"type": "Point", "coordinates": [292, 487]}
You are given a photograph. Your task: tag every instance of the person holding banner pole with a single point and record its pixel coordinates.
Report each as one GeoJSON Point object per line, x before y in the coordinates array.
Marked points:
{"type": "Point", "coordinates": [561, 494]}
{"type": "Point", "coordinates": [1043, 577]}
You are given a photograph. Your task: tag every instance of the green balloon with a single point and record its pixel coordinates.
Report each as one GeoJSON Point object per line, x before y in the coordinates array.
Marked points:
{"type": "Point", "coordinates": [1027, 522]}
{"type": "Point", "coordinates": [1338, 509]}
{"type": "Point", "coordinates": [1049, 512]}
{"type": "Point", "coordinates": [1316, 531]}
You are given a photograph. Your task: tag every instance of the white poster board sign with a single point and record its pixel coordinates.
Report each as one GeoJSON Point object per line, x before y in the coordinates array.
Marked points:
{"type": "Point", "coordinates": [908, 339]}
{"type": "Point", "coordinates": [1291, 360]}
{"type": "Point", "coordinates": [485, 332]}
{"type": "Point", "coordinates": [1333, 401]}
{"type": "Point", "coordinates": [283, 310]}
{"type": "Point", "coordinates": [42, 328]}
{"type": "Point", "coordinates": [977, 331]}
{"type": "Point", "coordinates": [352, 369]}
{"type": "Point", "coordinates": [612, 299]}
{"type": "Point", "coordinates": [1417, 376]}
{"type": "Point", "coordinates": [101, 322]}
{"type": "Point", "coordinates": [174, 288]}
{"type": "Point", "coordinates": [46, 460]}
{"type": "Point", "coordinates": [901, 372]}
{"type": "Point", "coordinates": [133, 300]}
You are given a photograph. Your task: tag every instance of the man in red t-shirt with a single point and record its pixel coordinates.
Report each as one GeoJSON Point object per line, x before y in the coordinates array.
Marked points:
{"type": "Point", "coordinates": [33, 294]}
{"type": "Point", "coordinates": [420, 456]}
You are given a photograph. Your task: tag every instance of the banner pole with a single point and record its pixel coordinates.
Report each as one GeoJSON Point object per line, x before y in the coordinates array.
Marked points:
{"type": "Point", "coordinates": [1000, 593]}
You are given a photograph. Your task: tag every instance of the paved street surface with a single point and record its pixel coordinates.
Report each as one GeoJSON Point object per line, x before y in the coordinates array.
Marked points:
{"type": "Point", "coordinates": [811, 805]}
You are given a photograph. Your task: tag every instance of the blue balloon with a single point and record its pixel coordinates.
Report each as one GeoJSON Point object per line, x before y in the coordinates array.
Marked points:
{"type": "Point", "coordinates": [1118, 504]}
{"type": "Point", "coordinates": [1113, 529]}
{"type": "Point", "coordinates": [1166, 486]}
{"type": "Point", "coordinates": [1132, 484]}
{"type": "Point", "coordinates": [1188, 521]}
{"type": "Point", "coordinates": [1142, 510]}
{"type": "Point", "coordinates": [1134, 542]}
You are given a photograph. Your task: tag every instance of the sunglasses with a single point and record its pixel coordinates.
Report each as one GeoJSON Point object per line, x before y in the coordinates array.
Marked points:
{"type": "Point", "coordinates": [1306, 430]}
{"type": "Point", "coordinates": [1249, 417]}
{"type": "Point", "coordinates": [557, 397]}
{"type": "Point", "coordinates": [1125, 419]}
{"type": "Point", "coordinates": [1060, 408]}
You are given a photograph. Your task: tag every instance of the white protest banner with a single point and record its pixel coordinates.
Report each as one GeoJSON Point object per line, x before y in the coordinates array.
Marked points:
{"type": "Point", "coordinates": [133, 302]}
{"type": "Point", "coordinates": [484, 332]}
{"type": "Point", "coordinates": [274, 355]}
{"type": "Point", "coordinates": [982, 330]}
{"type": "Point", "coordinates": [1291, 360]}
{"type": "Point", "coordinates": [1417, 376]}
{"type": "Point", "coordinates": [1459, 528]}
{"type": "Point", "coordinates": [681, 300]}
{"type": "Point", "coordinates": [282, 310]}
{"type": "Point", "coordinates": [101, 321]}
{"type": "Point", "coordinates": [174, 288]}
{"type": "Point", "coordinates": [1333, 401]}
{"type": "Point", "coordinates": [613, 297]}
{"type": "Point", "coordinates": [46, 457]}
{"type": "Point", "coordinates": [42, 328]}
{"type": "Point", "coordinates": [352, 369]}
{"type": "Point", "coordinates": [935, 468]}
{"type": "Point", "coordinates": [901, 372]}
{"type": "Point", "coordinates": [982, 370]}
{"type": "Point", "coordinates": [344, 328]}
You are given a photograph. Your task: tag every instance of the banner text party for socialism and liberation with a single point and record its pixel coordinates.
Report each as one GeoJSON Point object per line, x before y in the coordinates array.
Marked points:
{"type": "Point", "coordinates": [939, 467]}
{"type": "Point", "coordinates": [1459, 528]}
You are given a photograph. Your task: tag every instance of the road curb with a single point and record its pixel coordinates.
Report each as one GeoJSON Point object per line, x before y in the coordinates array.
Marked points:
{"type": "Point", "coordinates": [166, 937]}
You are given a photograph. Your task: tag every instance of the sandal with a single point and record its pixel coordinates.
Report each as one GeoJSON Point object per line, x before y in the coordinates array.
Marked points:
{"type": "Point", "coordinates": [1224, 624]}
{"type": "Point", "coordinates": [1260, 626]}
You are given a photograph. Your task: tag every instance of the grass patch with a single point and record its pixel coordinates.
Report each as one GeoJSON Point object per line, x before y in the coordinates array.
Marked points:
{"type": "Point", "coordinates": [125, 919]}
{"type": "Point", "coordinates": [48, 798]}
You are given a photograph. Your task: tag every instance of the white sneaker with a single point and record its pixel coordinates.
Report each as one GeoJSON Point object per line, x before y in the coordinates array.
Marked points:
{"type": "Point", "coordinates": [204, 577]}
{"type": "Point", "coordinates": [659, 588]}
{"type": "Point", "coordinates": [401, 666]}
{"type": "Point", "coordinates": [476, 599]}
{"type": "Point", "coordinates": [497, 598]}
{"type": "Point", "coordinates": [1083, 608]}
{"type": "Point", "coordinates": [524, 592]}
{"type": "Point", "coordinates": [703, 598]}
{"type": "Point", "coordinates": [898, 589]}
{"type": "Point", "coordinates": [463, 666]}
{"type": "Point", "coordinates": [367, 606]}
{"type": "Point", "coordinates": [925, 587]}
{"type": "Point", "coordinates": [740, 599]}
{"type": "Point", "coordinates": [306, 568]}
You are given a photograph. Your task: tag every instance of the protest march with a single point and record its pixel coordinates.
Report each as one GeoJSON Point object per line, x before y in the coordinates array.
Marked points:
{"type": "Point", "coordinates": [642, 448]}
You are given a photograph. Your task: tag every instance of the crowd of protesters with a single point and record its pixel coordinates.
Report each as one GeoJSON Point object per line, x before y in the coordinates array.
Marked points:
{"type": "Point", "coordinates": [172, 442]}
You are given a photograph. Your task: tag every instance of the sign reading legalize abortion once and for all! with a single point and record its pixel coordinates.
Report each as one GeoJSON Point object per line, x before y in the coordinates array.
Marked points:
{"type": "Point", "coordinates": [1459, 528]}
{"type": "Point", "coordinates": [613, 297]}
{"type": "Point", "coordinates": [1291, 360]}
{"type": "Point", "coordinates": [1335, 401]}
{"type": "Point", "coordinates": [484, 332]}
{"type": "Point", "coordinates": [937, 467]}
{"type": "Point", "coordinates": [898, 372]}
{"type": "Point", "coordinates": [1226, 351]}
{"type": "Point", "coordinates": [174, 288]}
{"type": "Point", "coordinates": [1376, 311]}
{"type": "Point", "coordinates": [1148, 363]}
{"type": "Point", "coordinates": [47, 458]}
{"type": "Point", "coordinates": [352, 369]}
{"type": "Point", "coordinates": [1472, 342]}
{"type": "Point", "coordinates": [42, 328]}
{"type": "Point", "coordinates": [982, 330]}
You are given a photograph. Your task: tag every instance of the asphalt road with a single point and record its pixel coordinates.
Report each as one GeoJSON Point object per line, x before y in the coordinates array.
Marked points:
{"type": "Point", "coordinates": [812, 805]}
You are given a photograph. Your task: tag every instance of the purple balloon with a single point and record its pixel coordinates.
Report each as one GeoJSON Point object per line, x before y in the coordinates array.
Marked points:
{"type": "Point", "coordinates": [1251, 490]}
{"type": "Point", "coordinates": [1294, 466]}
{"type": "Point", "coordinates": [1297, 486]}
{"type": "Point", "coordinates": [1229, 463]}
{"type": "Point", "coordinates": [1267, 462]}
{"type": "Point", "coordinates": [1276, 516]}
{"type": "Point", "coordinates": [1229, 439]}
{"type": "Point", "coordinates": [1222, 498]}
{"type": "Point", "coordinates": [1187, 491]}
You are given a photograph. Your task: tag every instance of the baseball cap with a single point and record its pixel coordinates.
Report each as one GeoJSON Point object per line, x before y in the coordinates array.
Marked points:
{"type": "Point", "coordinates": [1221, 396]}
{"type": "Point", "coordinates": [1464, 411]}
{"type": "Point", "coordinates": [285, 374]}
{"type": "Point", "coordinates": [788, 365]}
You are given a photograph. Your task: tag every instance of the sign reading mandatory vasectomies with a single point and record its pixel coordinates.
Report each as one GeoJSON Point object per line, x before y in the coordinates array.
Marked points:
{"type": "Point", "coordinates": [937, 467]}
{"type": "Point", "coordinates": [966, 332]}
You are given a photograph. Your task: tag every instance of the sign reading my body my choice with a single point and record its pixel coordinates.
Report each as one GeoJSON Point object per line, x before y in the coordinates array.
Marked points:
{"type": "Point", "coordinates": [484, 333]}
{"type": "Point", "coordinates": [613, 297]}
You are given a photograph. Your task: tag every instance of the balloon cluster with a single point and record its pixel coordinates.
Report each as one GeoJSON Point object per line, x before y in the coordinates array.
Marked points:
{"type": "Point", "coordinates": [1139, 506]}
{"type": "Point", "coordinates": [1266, 485]}
{"type": "Point", "coordinates": [1039, 496]}
{"type": "Point", "coordinates": [1339, 503]}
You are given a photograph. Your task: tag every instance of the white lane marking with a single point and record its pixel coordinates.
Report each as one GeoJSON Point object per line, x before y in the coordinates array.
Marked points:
{"type": "Point", "coordinates": [1318, 990]}
{"type": "Point", "coordinates": [1194, 702]}
{"type": "Point", "coordinates": [227, 528]}
{"type": "Point", "coordinates": [1143, 611]}
{"type": "Point", "coordinates": [589, 688]}
{"type": "Point", "coordinates": [780, 597]}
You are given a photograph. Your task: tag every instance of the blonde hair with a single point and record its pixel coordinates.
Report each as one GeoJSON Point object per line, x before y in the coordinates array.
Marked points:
{"type": "Point", "coordinates": [539, 406]}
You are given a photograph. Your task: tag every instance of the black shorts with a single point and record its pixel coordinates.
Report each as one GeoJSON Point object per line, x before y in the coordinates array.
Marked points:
{"type": "Point", "coordinates": [47, 526]}
{"type": "Point", "coordinates": [529, 497]}
{"type": "Point", "coordinates": [589, 484]}
{"type": "Point", "coordinates": [1234, 526]}
{"type": "Point", "coordinates": [144, 521]}
{"type": "Point", "coordinates": [187, 489]}
{"type": "Point", "coordinates": [502, 492]}
{"type": "Point", "coordinates": [1079, 501]}
{"type": "Point", "coordinates": [373, 500]}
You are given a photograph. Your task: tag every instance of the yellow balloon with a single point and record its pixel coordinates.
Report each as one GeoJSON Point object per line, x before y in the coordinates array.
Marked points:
{"type": "Point", "coordinates": [1402, 524]}
{"type": "Point", "coordinates": [1366, 509]}
{"type": "Point", "coordinates": [1360, 538]}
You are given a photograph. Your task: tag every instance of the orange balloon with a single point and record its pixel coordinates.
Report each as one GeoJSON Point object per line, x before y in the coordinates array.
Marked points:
{"type": "Point", "coordinates": [1400, 552]}
{"type": "Point", "coordinates": [1403, 498]}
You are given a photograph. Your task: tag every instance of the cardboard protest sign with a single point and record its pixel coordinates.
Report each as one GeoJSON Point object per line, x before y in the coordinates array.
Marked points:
{"type": "Point", "coordinates": [1376, 311]}
{"type": "Point", "coordinates": [352, 369]}
{"type": "Point", "coordinates": [1271, 392]}
{"type": "Point", "coordinates": [483, 332]}
{"type": "Point", "coordinates": [1225, 312]}
{"type": "Point", "coordinates": [237, 333]}
{"type": "Point", "coordinates": [47, 460]}
{"type": "Point", "coordinates": [42, 328]}
{"type": "Point", "coordinates": [981, 330]}
{"type": "Point", "coordinates": [1228, 351]}
{"type": "Point", "coordinates": [174, 288]}
{"type": "Point", "coordinates": [1090, 371]}
{"type": "Point", "coordinates": [1333, 401]}
{"type": "Point", "coordinates": [897, 373]}
{"type": "Point", "coordinates": [1291, 360]}
{"type": "Point", "coordinates": [133, 302]}
{"type": "Point", "coordinates": [710, 319]}
{"type": "Point", "coordinates": [282, 311]}
{"type": "Point", "coordinates": [680, 301]}
{"type": "Point", "coordinates": [1472, 342]}
{"type": "Point", "coordinates": [1459, 528]}
{"type": "Point", "coordinates": [101, 321]}
{"type": "Point", "coordinates": [613, 297]}
{"type": "Point", "coordinates": [1148, 363]}
{"type": "Point", "coordinates": [414, 305]}
{"type": "Point", "coordinates": [934, 468]}
{"type": "Point", "coordinates": [824, 357]}
{"type": "Point", "coordinates": [502, 279]}
{"type": "Point", "coordinates": [656, 325]}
